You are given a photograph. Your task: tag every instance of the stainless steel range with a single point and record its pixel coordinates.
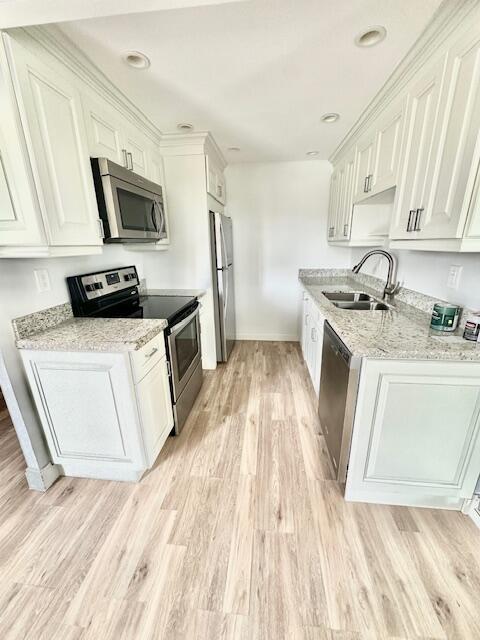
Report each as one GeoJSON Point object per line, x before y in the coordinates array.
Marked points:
{"type": "Point", "coordinates": [114, 294]}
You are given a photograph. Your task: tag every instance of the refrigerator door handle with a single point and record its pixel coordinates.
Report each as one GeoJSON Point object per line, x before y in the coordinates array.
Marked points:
{"type": "Point", "coordinates": [224, 246]}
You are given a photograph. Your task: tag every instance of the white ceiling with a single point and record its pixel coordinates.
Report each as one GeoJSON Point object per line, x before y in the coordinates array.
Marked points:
{"type": "Point", "coordinates": [258, 74]}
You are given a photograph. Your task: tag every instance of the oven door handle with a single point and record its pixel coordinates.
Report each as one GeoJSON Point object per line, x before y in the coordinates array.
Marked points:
{"type": "Point", "coordinates": [181, 325]}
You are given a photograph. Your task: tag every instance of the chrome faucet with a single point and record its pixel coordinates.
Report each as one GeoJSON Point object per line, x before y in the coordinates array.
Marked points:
{"type": "Point", "coordinates": [391, 287]}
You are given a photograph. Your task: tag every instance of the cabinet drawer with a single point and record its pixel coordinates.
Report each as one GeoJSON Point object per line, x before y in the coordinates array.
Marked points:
{"type": "Point", "coordinates": [146, 357]}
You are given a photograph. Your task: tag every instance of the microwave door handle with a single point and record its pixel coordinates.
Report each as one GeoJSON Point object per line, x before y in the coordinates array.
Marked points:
{"type": "Point", "coordinates": [160, 217]}
{"type": "Point", "coordinates": [153, 216]}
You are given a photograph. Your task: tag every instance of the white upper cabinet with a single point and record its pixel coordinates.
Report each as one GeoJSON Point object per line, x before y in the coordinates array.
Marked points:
{"type": "Point", "coordinates": [215, 180]}
{"type": "Point", "coordinates": [387, 149]}
{"type": "Point", "coordinates": [20, 222]}
{"type": "Point", "coordinates": [333, 204]}
{"type": "Point", "coordinates": [136, 145]}
{"type": "Point", "coordinates": [415, 183]}
{"type": "Point", "coordinates": [364, 162]}
{"type": "Point", "coordinates": [458, 144]}
{"type": "Point", "coordinates": [52, 119]}
{"type": "Point", "coordinates": [104, 130]}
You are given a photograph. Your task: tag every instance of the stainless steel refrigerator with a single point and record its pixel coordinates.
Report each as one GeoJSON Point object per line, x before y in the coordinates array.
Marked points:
{"type": "Point", "coordinates": [221, 241]}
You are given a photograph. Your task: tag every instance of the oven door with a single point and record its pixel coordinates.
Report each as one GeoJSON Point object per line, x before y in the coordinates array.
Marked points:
{"type": "Point", "coordinates": [185, 351]}
{"type": "Point", "coordinates": [133, 213]}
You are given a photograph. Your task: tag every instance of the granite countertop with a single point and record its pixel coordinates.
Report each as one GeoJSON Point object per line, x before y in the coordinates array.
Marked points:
{"type": "Point", "coordinates": [94, 334]}
{"type": "Point", "coordinates": [401, 333]}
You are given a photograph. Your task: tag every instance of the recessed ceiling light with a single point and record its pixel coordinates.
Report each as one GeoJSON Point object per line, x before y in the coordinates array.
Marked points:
{"type": "Point", "coordinates": [329, 117]}
{"type": "Point", "coordinates": [312, 153]}
{"type": "Point", "coordinates": [370, 36]}
{"type": "Point", "coordinates": [136, 59]}
{"type": "Point", "coordinates": [184, 126]}
{"type": "Point", "coordinates": [235, 149]}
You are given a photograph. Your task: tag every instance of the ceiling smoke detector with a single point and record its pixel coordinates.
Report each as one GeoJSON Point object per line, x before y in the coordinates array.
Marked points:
{"type": "Point", "coordinates": [328, 118]}
{"type": "Point", "coordinates": [184, 126]}
{"type": "Point", "coordinates": [370, 36]}
{"type": "Point", "coordinates": [136, 60]}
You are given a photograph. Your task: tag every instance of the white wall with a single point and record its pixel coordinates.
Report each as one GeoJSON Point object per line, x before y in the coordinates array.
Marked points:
{"type": "Point", "coordinates": [427, 272]}
{"type": "Point", "coordinates": [279, 213]}
{"type": "Point", "coordinates": [19, 297]}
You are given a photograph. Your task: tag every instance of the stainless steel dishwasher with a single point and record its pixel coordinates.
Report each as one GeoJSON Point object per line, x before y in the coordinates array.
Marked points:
{"type": "Point", "coordinates": [338, 397]}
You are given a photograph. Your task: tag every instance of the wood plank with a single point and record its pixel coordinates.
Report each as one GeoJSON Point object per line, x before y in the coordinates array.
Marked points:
{"type": "Point", "coordinates": [237, 533]}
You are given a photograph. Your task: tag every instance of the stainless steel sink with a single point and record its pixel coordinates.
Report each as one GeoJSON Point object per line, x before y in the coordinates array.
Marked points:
{"type": "Point", "coordinates": [347, 296]}
{"type": "Point", "coordinates": [372, 305]}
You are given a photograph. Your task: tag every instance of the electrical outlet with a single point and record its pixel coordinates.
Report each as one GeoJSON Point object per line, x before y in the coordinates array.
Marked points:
{"type": "Point", "coordinates": [454, 275]}
{"type": "Point", "coordinates": [42, 279]}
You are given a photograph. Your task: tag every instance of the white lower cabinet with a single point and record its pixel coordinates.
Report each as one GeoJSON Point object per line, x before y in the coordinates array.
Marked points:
{"type": "Point", "coordinates": [416, 437]}
{"type": "Point", "coordinates": [99, 422]}
{"type": "Point", "coordinates": [312, 340]}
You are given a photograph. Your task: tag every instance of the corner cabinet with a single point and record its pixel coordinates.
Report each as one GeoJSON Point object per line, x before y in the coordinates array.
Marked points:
{"type": "Point", "coordinates": [416, 437]}
{"type": "Point", "coordinates": [215, 180]}
{"type": "Point", "coordinates": [117, 433]}
{"type": "Point", "coordinates": [51, 117]}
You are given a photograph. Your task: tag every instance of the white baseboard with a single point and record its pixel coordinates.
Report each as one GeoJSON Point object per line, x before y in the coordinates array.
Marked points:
{"type": "Point", "coordinates": [42, 479]}
{"type": "Point", "coordinates": [268, 337]}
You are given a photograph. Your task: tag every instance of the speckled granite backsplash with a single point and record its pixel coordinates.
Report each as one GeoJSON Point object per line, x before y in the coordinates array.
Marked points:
{"type": "Point", "coordinates": [420, 301]}
{"type": "Point", "coordinates": [26, 326]}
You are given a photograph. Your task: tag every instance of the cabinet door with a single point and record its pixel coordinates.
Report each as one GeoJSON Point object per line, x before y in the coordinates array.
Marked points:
{"type": "Point", "coordinates": [416, 438]}
{"type": "Point", "coordinates": [417, 153]}
{"type": "Point", "coordinates": [457, 144]}
{"type": "Point", "coordinates": [364, 166]}
{"type": "Point", "coordinates": [304, 330]}
{"type": "Point", "coordinates": [52, 118]}
{"type": "Point", "coordinates": [333, 204]}
{"type": "Point", "coordinates": [136, 146]}
{"type": "Point", "coordinates": [85, 404]}
{"type": "Point", "coordinates": [20, 219]}
{"type": "Point", "coordinates": [387, 148]}
{"type": "Point", "coordinates": [105, 138]}
{"type": "Point", "coordinates": [345, 210]}
{"type": "Point", "coordinates": [155, 404]}
{"type": "Point", "coordinates": [318, 346]}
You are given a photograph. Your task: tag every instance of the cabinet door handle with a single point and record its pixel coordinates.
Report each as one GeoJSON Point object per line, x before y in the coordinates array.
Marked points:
{"type": "Point", "coordinates": [365, 185]}
{"type": "Point", "coordinates": [410, 217]}
{"type": "Point", "coordinates": [313, 334]}
{"type": "Point", "coordinates": [418, 216]}
{"type": "Point", "coordinates": [345, 230]}
{"type": "Point", "coordinates": [130, 157]}
{"type": "Point", "coordinates": [125, 158]}
{"type": "Point", "coordinates": [369, 182]}
{"type": "Point", "coordinates": [101, 228]}
{"type": "Point", "coordinates": [152, 352]}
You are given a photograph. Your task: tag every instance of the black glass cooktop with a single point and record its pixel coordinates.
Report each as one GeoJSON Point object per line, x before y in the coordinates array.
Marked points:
{"type": "Point", "coordinates": [164, 306]}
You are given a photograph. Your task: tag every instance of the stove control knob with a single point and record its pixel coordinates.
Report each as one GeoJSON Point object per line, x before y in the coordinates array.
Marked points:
{"type": "Point", "coordinates": [89, 287]}
{"type": "Point", "coordinates": [98, 285]}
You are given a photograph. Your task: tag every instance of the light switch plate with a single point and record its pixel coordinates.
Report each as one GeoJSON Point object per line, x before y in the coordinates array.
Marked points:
{"type": "Point", "coordinates": [42, 279]}
{"type": "Point", "coordinates": [454, 275]}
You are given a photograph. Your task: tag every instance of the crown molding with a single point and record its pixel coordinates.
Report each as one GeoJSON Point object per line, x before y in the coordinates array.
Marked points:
{"type": "Point", "coordinates": [55, 42]}
{"type": "Point", "coordinates": [196, 142]}
{"type": "Point", "coordinates": [450, 16]}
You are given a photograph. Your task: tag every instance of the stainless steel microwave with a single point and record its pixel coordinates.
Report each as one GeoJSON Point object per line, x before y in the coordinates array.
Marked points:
{"type": "Point", "coordinates": [130, 206]}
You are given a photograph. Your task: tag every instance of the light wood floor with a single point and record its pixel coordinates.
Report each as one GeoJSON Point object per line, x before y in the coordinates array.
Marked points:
{"type": "Point", "coordinates": [238, 533]}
